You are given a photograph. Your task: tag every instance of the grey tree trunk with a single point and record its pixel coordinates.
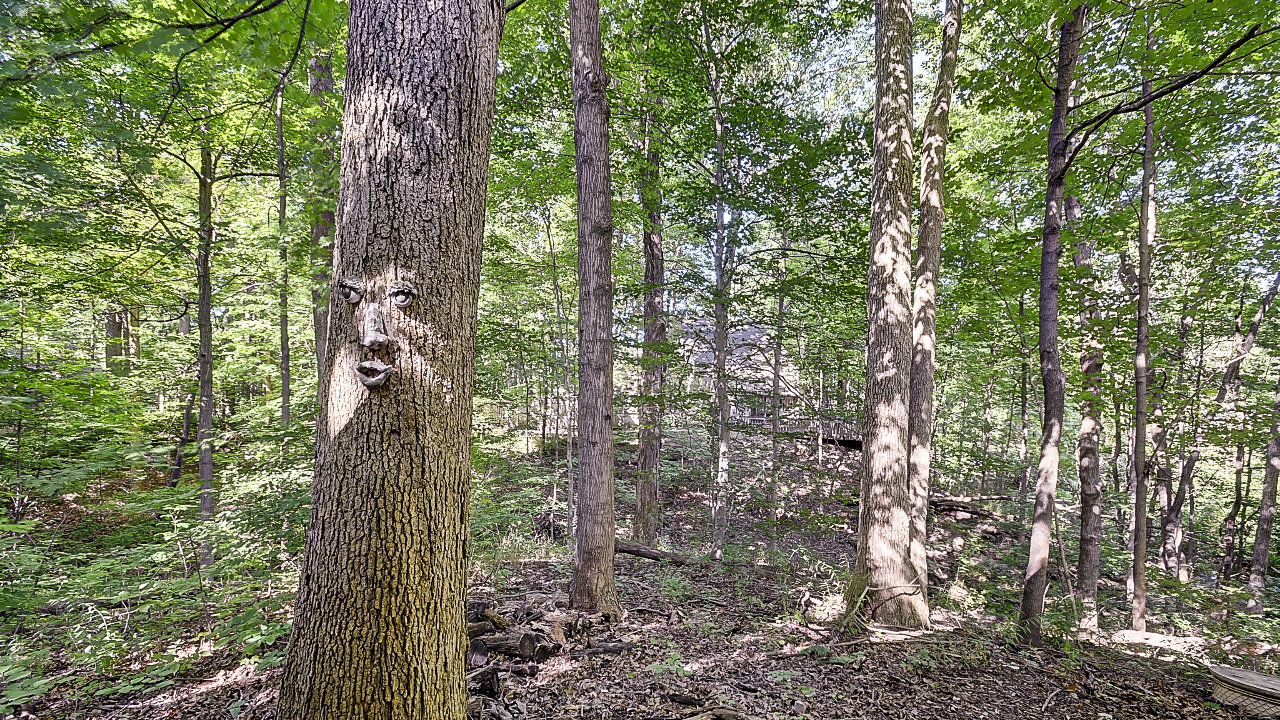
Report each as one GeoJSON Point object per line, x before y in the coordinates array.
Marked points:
{"type": "Point", "coordinates": [1171, 536]}
{"type": "Point", "coordinates": [723, 257]}
{"type": "Point", "coordinates": [775, 502]}
{"type": "Point", "coordinates": [175, 473]}
{"type": "Point", "coordinates": [885, 578]}
{"type": "Point", "coordinates": [1088, 456]}
{"type": "Point", "coordinates": [320, 87]}
{"type": "Point", "coordinates": [933, 155]}
{"type": "Point", "coordinates": [593, 588]}
{"type": "Point", "coordinates": [115, 333]}
{"type": "Point", "coordinates": [1036, 582]}
{"type": "Point", "coordinates": [1141, 370]}
{"type": "Point", "coordinates": [1266, 514]}
{"type": "Point", "coordinates": [648, 480]}
{"type": "Point", "coordinates": [379, 630]}
{"type": "Point", "coordinates": [204, 362]}
{"type": "Point", "coordinates": [283, 239]}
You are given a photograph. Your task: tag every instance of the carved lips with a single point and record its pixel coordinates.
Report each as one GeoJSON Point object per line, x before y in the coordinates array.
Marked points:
{"type": "Point", "coordinates": [373, 373]}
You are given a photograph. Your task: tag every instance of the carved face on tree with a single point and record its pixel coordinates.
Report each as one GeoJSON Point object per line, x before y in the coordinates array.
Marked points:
{"type": "Point", "coordinates": [378, 350]}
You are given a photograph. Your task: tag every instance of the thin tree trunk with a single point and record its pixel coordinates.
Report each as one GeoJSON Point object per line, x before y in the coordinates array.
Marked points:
{"type": "Point", "coordinates": [175, 474]}
{"type": "Point", "coordinates": [1142, 470]}
{"type": "Point", "coordinates": [884, 572]}
{"type": "Point", "coordinates": [1231, 373]}
{"type": "Point", "coordinates": [562, 320]}
{"type": "Point", "coordinates": [593, 586]}
{"type": "Point", "coordinates": [1229, 527]}
{"type": "Point", "coordinates": [723, 257]}
{"type": "Point", "coordinates": [1088, 455]}
{"type": "Point", "coordinates": [1036, 582]}
{"type": "Point", "coordinates": [380, 627]}
{"type": "Point", "coordinates": [933, 155]}
{"type": "Point", "coordinates": [1266, 514]}
{"type": "Point", "coordinates": [649, 464]}
{"type": "Point", "coordinates": [1024, 436]}
{"type": "Point", "coordinates": [775, 504]}
{"type": "Point", "coordinates": [204, 322]}
{"type": "Point", "coordinates": [319, 87]}
{"type": "Point", "coordinates": [114, 330]}
{"type": "Point", "coordinates": [284, 265]}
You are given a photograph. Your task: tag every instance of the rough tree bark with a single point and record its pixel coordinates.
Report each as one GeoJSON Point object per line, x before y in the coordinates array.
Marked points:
{"type": "Point", "coordinates": [283, 239]}
{"type": "Point", "coordinates": [924, 306]}
{"type": "Point", "coordinates": [1141, 369]}
{"type": "Point", "coordinates": [204, 360]}
{"type": "Point", "coordinates": [1088, 455]}
{"type": "Point", "coordinates": [1266, 514]}
{"type": "Point", "coordinates": [655, 334]}
{"type": "Point", "coordinates": [380, 616]}
{"type": "Point", "coordinates": [1036, 581]}
{"type": "Point", "coordinates": [593, 587]}
{"type": "Point", "coordinates": [885, 577]}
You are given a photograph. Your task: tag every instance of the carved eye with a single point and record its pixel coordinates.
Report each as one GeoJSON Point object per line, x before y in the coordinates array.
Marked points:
{"type": "Point", "coordinates": [402, 293]}
{"type": "Point", "coordinates": [351, 290]}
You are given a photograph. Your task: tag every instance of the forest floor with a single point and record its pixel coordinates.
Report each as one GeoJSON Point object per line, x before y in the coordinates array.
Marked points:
{"type": "Point", "coordinates": [715, 642]}
{"type": "Point", "coordinates": [709, 644]}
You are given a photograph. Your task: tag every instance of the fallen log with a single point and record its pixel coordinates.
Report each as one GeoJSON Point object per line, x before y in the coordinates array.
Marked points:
{"type": "Point", "coordinates": [603, 649]}
{"type": "Point", "coordinates": [648, 553]}
{"type": "Point", "coordinates": [527, 645]}
{"type": "Point", "coordinates": [476, 629]}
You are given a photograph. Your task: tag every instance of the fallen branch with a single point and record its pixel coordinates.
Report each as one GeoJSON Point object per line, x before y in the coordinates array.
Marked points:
{"type": "Point", "coordinates": [648, 553]}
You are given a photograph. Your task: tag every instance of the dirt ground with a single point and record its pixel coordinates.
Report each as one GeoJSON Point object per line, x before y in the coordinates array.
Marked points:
{"type": "Point", "coordinates": [711, 644]}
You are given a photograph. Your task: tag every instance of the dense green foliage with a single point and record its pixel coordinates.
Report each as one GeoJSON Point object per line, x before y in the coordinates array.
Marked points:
{"type": "Point", "coordinates": [107, 106]}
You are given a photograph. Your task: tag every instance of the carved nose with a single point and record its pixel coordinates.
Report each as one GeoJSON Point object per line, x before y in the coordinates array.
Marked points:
{"type": "Point", "coordinates": [373, 335]}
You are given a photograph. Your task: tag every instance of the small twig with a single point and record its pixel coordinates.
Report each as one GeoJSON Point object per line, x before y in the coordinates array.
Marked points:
{"type": "Point", "coordinates": [1048, 700]}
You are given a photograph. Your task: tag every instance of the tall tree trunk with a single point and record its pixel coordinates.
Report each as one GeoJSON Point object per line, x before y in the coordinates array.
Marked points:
{"type": "Point", "coordinates": [114, 331]}
{"type": "Point", "coordinates": [379, 630]}
{"type": "Point", "coordinates": [562, 321]}
{"type": "Point", "coordinates": [884, 572]}
{"type": "Point", "coordinates": [283, 239]}
{"type": "Point", "coordinates": [1036, 582]}
{"type": "Point", "coordinates": [655, 336]}
{"type": "Point", "coordinates": [1231, 373]}
{"type": "Point", "coordinates": [1229, 527]}
{"type": "Point", "coordinates": [319, 87]}
{"type": "Point", "coordinates": [593, 587]}
{"type": "Point", "coordinates": [1171, 537]}
{"type": "Point", "coordinates": [1143, 471]}
{"type": "Point", "coordinates": [1266, 514]}
{"type": "Point", "coordinates": [204, 363]}
{"type": "Point", "coordinates": [723, 259]}
{"type": "Point", "coordinates": [775, 441]}
{"type": "Point", "coordinates": [1088, 455]}
{"type": "Point", "coordinates": [175, 473]}
{"type": "Point", "coordinates": [1024, 427]}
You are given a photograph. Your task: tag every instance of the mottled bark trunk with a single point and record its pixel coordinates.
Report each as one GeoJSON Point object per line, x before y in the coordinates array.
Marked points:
{"type": "Point", "coordinates": [379, 628]}
{"type": "Point", "coordinates": [1036, 581]}
{"type": "Point", "coordinates": [1088, 454]}
{"type": "Point", "coordinates": [593, 587]}
{"type": "Point", "coordinates": [885, 577]}
{"type": "Point", "coordinates": [283, 239]}
{"type": "Point", "coordinates": [204, 361]}
{"type": "Point", "coordinates": [1266, 514]}
{"type": "Point", "coordinates": [1141, 370]}
{"type": "Point", "coordinates": [648, 480]}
